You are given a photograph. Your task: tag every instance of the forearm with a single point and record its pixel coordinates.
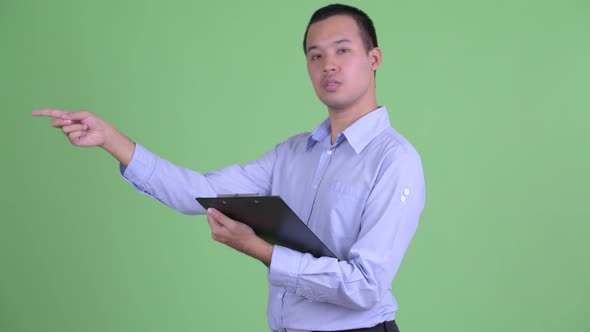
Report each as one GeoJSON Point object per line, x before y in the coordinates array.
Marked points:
{"type": "Point", "coordinates": [359, 282]}
{"type": "Point", "coordinates": [177, 187]}
{"type": "Point", "coordinates": [260, 250]}
{"type": "Point", "coordinates": [166, 182]}
{"type": "Point", "coordinates": [118, 145]}
{"type": "Point", "coordinates": [356, 284]}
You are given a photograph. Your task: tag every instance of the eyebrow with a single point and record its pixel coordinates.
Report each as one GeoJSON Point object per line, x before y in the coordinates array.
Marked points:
{"type": "Point", "coordinates": [339, 41]}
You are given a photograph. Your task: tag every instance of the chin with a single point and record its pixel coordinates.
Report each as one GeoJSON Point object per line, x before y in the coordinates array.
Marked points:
{"type": "Point", "coordinates": [335, 105]}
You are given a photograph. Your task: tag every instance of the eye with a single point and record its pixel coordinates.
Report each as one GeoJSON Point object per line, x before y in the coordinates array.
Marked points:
{"type": "Point", "coordinates": [313, 57]}
{"type": "Point", "coordinates": [343, 50]}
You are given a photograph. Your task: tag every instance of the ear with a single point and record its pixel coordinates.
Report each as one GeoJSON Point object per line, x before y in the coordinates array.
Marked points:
{"type": "Point", "coordinates": [375, 57]}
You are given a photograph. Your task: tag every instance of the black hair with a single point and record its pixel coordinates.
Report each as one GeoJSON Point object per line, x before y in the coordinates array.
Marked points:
{"type": "Point", "coordinates": [363, 21]}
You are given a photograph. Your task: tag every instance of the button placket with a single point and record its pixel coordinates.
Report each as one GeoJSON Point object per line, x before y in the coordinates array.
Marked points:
{"type": "Point", "coordinates": [317, 178]}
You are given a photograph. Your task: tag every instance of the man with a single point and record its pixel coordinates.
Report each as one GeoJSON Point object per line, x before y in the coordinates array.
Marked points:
{"type": "Point", "coordinates": [354, 181]}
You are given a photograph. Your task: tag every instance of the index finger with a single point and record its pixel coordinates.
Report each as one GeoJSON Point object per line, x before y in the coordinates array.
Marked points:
{"type": "Point", "coordinates": [221, 218]}
{"type": "Point", "coordinates": [49, 112]}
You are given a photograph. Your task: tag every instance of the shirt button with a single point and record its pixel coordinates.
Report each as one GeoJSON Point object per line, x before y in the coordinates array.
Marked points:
{"type": "Point", "coordinates": [315, 186]}
{"type": "Point", "coordinates": [279, 296]}
{"type": "Point", "coordinates": [403, 199]}
{"type": "Point", "coordinates": [329, 152]}
{"type": "Point", "coordinates": [406, 191]}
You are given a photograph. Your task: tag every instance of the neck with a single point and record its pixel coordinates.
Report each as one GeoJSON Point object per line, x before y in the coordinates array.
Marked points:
{"type": "Point", "coordinates": [344, 118]}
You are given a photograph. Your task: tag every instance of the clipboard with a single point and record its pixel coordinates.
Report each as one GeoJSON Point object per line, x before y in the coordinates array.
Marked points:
{"type": "Point", "coordinates": [271, 219]}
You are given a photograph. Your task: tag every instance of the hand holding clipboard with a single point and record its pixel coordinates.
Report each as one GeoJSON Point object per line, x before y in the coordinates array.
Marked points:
{"type": "Point", "coordinates": [271, 218]}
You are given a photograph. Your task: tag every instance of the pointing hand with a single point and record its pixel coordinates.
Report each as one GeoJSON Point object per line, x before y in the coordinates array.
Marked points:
{"type": "Point", "coordinates": [82, 128]}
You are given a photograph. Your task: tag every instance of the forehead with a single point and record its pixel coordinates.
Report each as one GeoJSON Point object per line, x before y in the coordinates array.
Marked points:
{"type": "Point", "coordinates": [334, 28]}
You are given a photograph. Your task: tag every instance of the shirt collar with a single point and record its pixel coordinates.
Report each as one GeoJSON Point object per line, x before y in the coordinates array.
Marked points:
{"type": "Point", "coordinates": [359, 134]}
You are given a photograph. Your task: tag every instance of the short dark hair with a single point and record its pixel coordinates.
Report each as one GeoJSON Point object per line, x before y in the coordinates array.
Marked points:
{"type": "Point", "coordinates": [363, 21]}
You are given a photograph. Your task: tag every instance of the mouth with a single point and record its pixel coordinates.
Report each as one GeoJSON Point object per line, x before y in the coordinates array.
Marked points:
{"type": "Point", "coordinates": [331, 84]}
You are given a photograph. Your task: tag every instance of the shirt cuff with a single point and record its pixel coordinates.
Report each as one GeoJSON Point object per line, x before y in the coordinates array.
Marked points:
{"type": "Point", "coordinates": [140, 168]}
{"type": "Point", "coordinates": [284, 268]}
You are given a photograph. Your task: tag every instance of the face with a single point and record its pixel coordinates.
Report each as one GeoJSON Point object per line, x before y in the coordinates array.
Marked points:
{"type": "Point", "coordinates": [340, 68]}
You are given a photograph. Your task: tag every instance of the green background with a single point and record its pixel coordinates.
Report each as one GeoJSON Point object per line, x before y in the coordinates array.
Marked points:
{"type": "Point", "coordinates": [495, 95]}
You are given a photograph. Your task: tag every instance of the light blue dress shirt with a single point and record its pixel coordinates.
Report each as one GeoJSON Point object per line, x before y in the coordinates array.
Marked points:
{"type": "Point", "coordinates": [362, 196]}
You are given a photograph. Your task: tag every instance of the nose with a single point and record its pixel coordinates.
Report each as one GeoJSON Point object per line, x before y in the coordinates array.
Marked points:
{"type": "Point", "coordinates": [329, 64]}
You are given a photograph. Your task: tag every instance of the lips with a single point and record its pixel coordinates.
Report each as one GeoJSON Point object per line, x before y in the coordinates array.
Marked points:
{"type": "Point", "coordinates": [331, 84]}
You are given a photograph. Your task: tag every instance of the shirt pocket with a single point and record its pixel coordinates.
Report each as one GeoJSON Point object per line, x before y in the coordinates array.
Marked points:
{"type": "Point", "coordinates": [340, 189]}
{"type": "Point", "coordinates": [344, 213]}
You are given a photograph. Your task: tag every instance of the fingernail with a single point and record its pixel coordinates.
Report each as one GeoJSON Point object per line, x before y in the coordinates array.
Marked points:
{"type": "Point", "coordinates": [211, 211]}
{"type": "Point", "coordinates": [67, 122]}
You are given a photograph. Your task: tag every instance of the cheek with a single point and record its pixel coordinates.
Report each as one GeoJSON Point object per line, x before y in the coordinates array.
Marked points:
{"type": "Point", "coordinates": [361, 70]}
{"type": "Point", "coordinates": [314, 76]}
{"type": "Point", "coordinates": [310, 72]}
